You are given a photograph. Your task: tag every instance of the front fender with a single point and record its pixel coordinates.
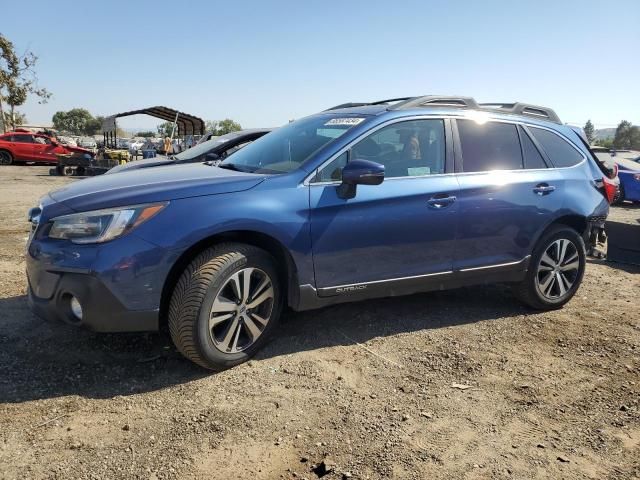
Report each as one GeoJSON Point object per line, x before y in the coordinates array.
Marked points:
{"type": "Point", "coordinates": [282, 214]}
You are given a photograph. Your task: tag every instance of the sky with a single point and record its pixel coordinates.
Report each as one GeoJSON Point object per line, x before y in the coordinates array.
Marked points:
{"type": "Point", "coordinates": [263, 63]}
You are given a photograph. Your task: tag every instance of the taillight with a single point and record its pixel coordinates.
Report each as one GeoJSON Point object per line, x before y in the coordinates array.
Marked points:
{"type": "Point", "coordinates": [610, 189]}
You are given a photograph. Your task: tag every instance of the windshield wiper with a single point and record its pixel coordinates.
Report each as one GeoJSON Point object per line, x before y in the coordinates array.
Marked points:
{"type": "Point", "coordinates": [230, 166]}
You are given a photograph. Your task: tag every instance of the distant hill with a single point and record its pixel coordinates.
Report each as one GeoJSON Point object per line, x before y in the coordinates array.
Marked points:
{"type": "Point", "coordinates": [604, 133]}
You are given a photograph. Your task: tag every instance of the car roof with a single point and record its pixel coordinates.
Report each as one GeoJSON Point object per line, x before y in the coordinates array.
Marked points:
{"type": "Point", "coordinates": [454, 106]}
{"type": "Point", "coordinates": [378, 110]}
{"type": "Point", "coordinates": [628, 164]}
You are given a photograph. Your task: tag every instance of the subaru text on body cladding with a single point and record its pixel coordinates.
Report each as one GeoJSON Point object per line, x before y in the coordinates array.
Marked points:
{"type": "Point", "coordinates": [371, 200]}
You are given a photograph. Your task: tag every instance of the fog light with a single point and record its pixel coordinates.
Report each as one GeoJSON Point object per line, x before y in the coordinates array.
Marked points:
{"type": "Point", "coordinates": [76, 308]}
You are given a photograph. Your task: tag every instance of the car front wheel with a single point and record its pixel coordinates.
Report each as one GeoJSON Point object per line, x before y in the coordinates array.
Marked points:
{"type": "Point", "coordinates": [555, 270]}
{"type": "Point", "coordinates": [225, 305]}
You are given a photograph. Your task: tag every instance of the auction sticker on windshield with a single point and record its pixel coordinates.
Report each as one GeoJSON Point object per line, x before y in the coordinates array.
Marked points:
{"type": "Point", "coordinates": [344, 121]}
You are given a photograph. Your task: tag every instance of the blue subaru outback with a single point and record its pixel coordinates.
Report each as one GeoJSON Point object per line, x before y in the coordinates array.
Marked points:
{"type": "Point", "coordinates": [359, 201]}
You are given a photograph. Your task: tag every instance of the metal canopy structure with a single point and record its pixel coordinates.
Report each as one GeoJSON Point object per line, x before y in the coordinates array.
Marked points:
{"type": "Point", "coordinates": [186, 123]}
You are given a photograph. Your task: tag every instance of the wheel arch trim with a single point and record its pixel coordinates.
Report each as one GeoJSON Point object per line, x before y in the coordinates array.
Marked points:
{"type": "Point", "coordinates": [285, 263]}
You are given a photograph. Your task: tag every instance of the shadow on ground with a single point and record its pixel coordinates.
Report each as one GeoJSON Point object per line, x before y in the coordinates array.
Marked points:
{"type": "Point", "coordinates": [40, 360]}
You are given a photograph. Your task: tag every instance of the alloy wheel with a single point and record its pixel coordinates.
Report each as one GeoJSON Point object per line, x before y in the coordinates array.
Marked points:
{"type": "Point", "coordinates": [5, 158]}
{"type": "Point", "coordinates": [558, 269]}
{"type": "Point", "coordinates": [241, 310]}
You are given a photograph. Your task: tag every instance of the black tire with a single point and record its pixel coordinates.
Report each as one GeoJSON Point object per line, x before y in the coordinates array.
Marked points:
{"type": "Point", "coordinates": [529, 290]}
{"type": "Point", "coordinates": [193, 296]}
{"type": "Point", "coordinates": [618, 199]}
{"type": "Point", "coordinates": [5, 158]}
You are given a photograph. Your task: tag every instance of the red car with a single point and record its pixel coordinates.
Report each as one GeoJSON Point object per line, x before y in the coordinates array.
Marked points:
{"type": "Point", "coordinates": [32, 147]}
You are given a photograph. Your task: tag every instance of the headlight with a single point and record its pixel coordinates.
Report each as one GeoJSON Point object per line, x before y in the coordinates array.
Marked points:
{"type": "Point", "coordinates": [102, 225]}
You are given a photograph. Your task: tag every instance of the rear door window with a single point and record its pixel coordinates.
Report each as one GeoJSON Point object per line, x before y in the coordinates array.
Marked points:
{"type": "Point", "coordinates": [489, 146]}
{"type": "Point", "coordinates": [23, 138]}
{"type": "Point", "coordinates": [560, 152]}
{"type": "Point", "coordinates": [532, 156]}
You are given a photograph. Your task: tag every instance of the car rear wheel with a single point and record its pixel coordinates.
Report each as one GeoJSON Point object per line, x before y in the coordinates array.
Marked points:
{"type": "Point", "coordinates": [5, 158]}
{"type": "Point", "coordinates": [225, 305]}
{"type": "Point", "coordinates": [555, 270]}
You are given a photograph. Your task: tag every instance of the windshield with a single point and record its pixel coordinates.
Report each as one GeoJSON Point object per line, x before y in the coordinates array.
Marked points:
{"type": "Point", "coordinates": [200, 149]}
{"type": "Point", "coordinates": [288, 147]}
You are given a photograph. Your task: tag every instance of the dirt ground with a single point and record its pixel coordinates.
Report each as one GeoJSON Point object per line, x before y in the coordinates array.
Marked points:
{"type": "Point", "coordinates": [365, 390]}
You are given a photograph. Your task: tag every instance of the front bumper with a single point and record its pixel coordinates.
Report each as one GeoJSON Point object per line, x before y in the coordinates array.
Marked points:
{"type": "Point", "coordinates": [101, 310]}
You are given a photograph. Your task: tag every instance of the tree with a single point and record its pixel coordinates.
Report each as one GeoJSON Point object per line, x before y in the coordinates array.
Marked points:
{"type": "Point", "coordinates": [18, 80]}
{"type": "Point", "coordinates": [222, 127]}
{"type": "Point", "coordinates": [94, 126]}
{"type": "Point", "coordinates": [18, 118]}
{"type": "Point", "coordinates": [627, 136]}
{"type": "Point", "coordinates": [145, 134]}
{"type": "Point", "coordinates": [165, 129]}
{"type": "Point", "coordinates": [77, 121]}
{"type": "Point", "coordinates": [590, 131]}
{"type": "Point", "coordinates": [605, 142]}
{"type": "Point", "coordinates": [9, 69]}
{"type": "Point", "coordinates": [226, 126]}
{"type": "Point", "coordinates": [218, 128]}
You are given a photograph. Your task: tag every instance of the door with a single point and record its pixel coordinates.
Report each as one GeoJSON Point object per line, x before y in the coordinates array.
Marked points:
{"type": "Point", "coordinates": [44, 150]}
{"type": "Point", "coordinates": [22, 146]}
{"type": "Point", "coordinates": [404, 227]}
{"type": "Point", "coordinates": [507, 194]}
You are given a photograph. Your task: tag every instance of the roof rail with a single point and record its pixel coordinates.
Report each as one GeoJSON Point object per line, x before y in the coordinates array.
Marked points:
{"type": "Point", "coordinates": [519, 108]}
{"type": "Point", "coordinates": [363, 104]}
{"type": "Point", "coordinates": [514, 108]}
{"type": "Point", "coordinates": [436, 101]}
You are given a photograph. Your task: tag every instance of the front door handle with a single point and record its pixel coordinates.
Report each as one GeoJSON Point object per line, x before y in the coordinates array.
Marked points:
{"type": "Point", "coordinates": [543, 189]}
{"type": "Point", "coordinates": [441, 201]}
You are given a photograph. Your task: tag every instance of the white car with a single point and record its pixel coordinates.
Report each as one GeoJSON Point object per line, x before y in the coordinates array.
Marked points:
{"type": "Point", "coordinates": [87, 142]}
{"type": "Point", "coordinates": [64, 140]}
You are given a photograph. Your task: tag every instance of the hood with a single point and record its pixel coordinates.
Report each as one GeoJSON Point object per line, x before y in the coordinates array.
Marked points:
{"type": "Point", "coordinates": [153, 185]}
{"type": "Point", "coordinates": [147, 162]}
{"type": "Point", "coordinates": [78, 149]}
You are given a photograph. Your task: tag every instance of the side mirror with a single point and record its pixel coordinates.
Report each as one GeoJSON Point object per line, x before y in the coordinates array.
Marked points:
{"type": "Point", "coordinates": [359, 172]}
{"type": "Point", "coordinates": [211, 157]}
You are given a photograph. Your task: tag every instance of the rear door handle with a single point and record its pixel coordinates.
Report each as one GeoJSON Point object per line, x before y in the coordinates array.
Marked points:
{"type": "Point", "coordinates": [543, 189]}
{"type": "Point", "coordinates": [441, 201]}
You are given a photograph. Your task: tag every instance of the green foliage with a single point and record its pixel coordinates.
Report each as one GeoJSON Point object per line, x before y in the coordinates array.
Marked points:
{"type": "Point", "coordinates": [222, 127]}
{"type": "Point", "coordinates": [94, 126]}
{"type": "Point", "coordinates": [227, 126]}
{"type": "Point", "coordinates": [77, 121]}
{"type": "Point", "coordinates": [18, 80]}
{"type": "Point", "coordinates": [165, 129]}
{"type": "Point", "coordinates": [18, 119]}
{"type": "Point", "coordinates": [589, 131]}
{"type": "Point", "coordinates": [627, 136]}
{"type": "Point", "coordinates": [605, 142]}
{"type": "Point", "coordinates": [145, 134]}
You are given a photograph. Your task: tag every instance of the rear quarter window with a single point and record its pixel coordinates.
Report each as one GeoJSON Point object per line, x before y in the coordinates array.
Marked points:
{"type": "Point", "coordinates": [560, 152]}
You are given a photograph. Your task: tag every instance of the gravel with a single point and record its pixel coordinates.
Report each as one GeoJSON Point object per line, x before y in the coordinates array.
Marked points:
{"type": "Point", "coordinates": [75, 404]}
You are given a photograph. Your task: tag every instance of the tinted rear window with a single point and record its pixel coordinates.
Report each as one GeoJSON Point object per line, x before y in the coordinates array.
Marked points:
{"type": "Point", "coordinates": [559, 151]}
{"type": "Point", "coordinates": [489, 146]}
